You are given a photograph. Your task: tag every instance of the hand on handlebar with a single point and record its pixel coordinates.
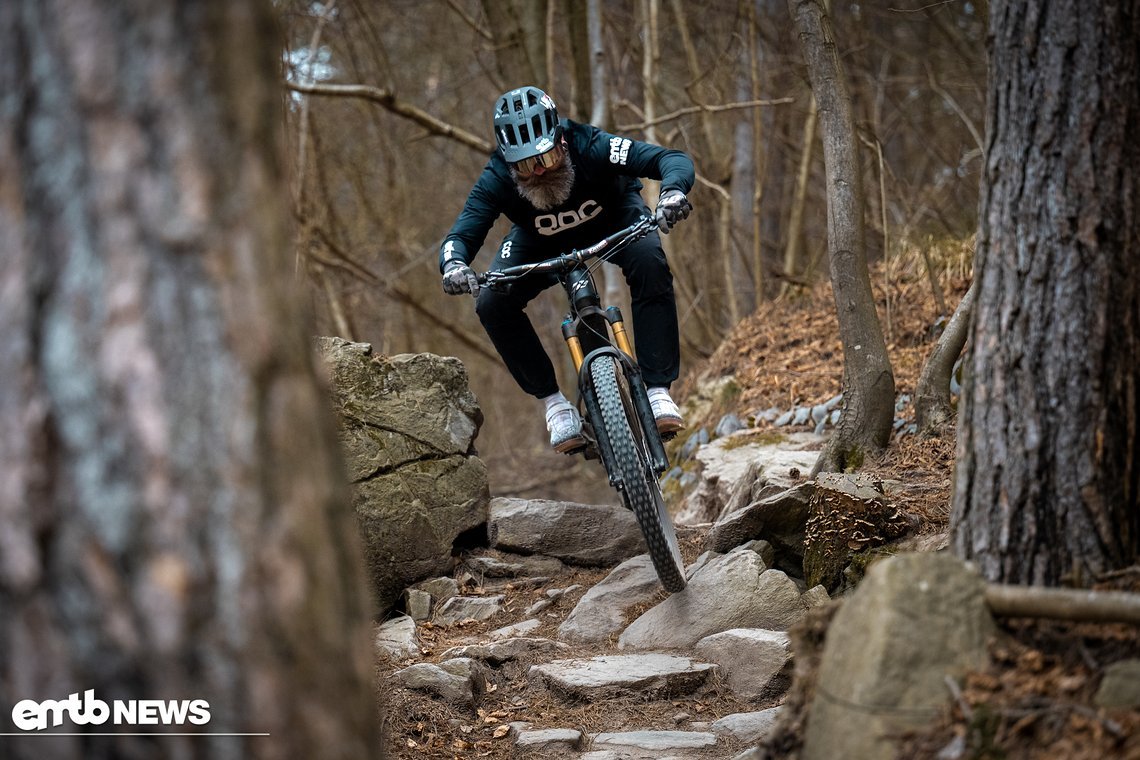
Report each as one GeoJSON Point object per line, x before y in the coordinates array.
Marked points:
{"type": "Point", "coordinates": [458, 278]}
{"type": "Point", "coordinates": [672, 207]}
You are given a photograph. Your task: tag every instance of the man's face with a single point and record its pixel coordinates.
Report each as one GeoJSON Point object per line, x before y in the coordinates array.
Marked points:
{"type": "Point", "coordinates": [546, 182]}
{"type": "Point", "coordinates": [550, 161]}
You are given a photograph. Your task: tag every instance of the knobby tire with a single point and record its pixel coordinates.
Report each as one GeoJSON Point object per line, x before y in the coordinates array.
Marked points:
{"type": "Point", "coordinates": [641, 492]}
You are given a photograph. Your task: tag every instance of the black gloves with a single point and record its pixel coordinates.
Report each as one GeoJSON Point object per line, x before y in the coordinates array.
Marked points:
{"type": "Point", "coordinates": [458, 278]}
{"type": "Point", "coordinates": [672, 207]}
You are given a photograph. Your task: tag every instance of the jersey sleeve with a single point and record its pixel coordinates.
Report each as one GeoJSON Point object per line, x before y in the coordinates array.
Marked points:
{"type": "Point", "coordinates": [624, 155]}
{"type": "Point", "coordinates": [479, 213]}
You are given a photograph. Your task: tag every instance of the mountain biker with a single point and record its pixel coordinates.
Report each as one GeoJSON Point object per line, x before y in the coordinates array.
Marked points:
{"type": "Point", "coordinates": [565, 185]}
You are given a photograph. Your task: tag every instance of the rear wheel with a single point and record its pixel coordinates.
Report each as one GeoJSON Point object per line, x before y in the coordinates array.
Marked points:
{"type": "Point", "coordinates": [640, 490]}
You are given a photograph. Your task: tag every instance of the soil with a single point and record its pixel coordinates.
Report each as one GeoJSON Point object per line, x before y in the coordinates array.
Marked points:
{"type": "Point", "coordinates": [1034, 702]}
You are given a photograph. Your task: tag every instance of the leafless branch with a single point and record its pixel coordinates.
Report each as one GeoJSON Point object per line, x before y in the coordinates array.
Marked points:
{"type": "Point", "coordinates": [341, 260]}
{"type": "Point", "coordinates": [705, 109]}
{"type": "Point", "coordinates": [950, 101]}
{"type": "Point", "coordinates": [1063, 604]}
{"type": "Point", "coordinates": [388, 100]}
{"type": "Point", "coordinates": [923, 8]}
{"type": "Point", "coordinates": [470, 21]}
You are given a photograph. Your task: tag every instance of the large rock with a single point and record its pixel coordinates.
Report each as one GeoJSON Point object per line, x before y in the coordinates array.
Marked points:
{"type": "Point", "coordinates": [756, 662]}
{"type": "Point", "coordinates": [732, 591]}
{"type": "Point", "coordinates": [779, 519]}
{"type": "Point", "coordinates": [915, 619]}
{"type": "Point", "coordinates": [407, 425]}
{"type": "Point", "coordinates": [579, 534]}
{"type": "Point", "coordinates": [751, 463]}
{"type": "Point", "coordinates": [601, 611]}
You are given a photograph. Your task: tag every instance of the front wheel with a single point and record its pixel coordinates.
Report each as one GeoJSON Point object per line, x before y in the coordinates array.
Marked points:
{"type": "Point", "coordinates": [640, 490]}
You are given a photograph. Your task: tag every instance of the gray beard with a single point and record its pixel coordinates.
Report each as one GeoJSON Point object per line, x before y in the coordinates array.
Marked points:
{"type": "Point", "coordinates": [550, 189]}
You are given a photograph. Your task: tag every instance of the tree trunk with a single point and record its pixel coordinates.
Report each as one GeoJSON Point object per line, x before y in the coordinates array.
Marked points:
{"type": "Point", "coordinates": [173, 520]}
{"type": "Point", "coordinates": [1048, 473]}
{"type": "Point", "coordinates": [600, 107]}
{"type": "Point", "coordinates": [868, 382]}
{"type": "Point", "coordinates": [799, 198]}
{"type": "Point", "coordinates": [932, 396]}
{"type": "Point", "coordinates": [578, 35]}
{"type": "Point", "coordinates": [518, 28]}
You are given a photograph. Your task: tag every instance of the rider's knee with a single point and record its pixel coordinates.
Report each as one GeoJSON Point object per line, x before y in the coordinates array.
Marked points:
{"type": "Point", "coordinates": [492, 307]}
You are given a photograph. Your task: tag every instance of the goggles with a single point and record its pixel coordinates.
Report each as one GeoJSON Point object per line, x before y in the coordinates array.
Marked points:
{"type": "Point", "coordinates": [551, 159]}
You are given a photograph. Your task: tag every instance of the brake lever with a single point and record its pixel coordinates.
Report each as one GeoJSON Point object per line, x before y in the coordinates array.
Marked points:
{"type": "Point", "coordinates": [491, 282]}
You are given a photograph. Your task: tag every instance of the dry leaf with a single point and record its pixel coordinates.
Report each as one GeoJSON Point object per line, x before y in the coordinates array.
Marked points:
{"type": "Point", "coordinates": [501, 731]}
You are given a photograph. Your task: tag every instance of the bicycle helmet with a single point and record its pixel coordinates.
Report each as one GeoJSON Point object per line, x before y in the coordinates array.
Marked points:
{"type": "Point", "coordinates": [526, 124]}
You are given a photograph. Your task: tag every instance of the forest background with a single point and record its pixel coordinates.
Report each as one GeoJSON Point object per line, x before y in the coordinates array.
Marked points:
{"type": "Point", "coordinates": [389, 126]}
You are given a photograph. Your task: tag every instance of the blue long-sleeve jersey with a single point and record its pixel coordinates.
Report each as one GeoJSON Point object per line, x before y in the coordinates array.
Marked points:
{"type": "Point", "coordinates": [606, 195]}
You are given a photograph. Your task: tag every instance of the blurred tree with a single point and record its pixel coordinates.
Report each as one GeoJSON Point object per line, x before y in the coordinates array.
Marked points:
{"type": "Point", "coordinates": [1048, 472]}
{"type": "Point", "coordinates": [868, 381]}
{"type": "Point", "coordinates": [173, 524]}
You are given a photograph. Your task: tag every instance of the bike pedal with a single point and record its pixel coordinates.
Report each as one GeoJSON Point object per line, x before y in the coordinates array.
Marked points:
{"type": "Point", "coordinates": [573, 448]}
{"type": "Point", "coordinates": [668, 436]}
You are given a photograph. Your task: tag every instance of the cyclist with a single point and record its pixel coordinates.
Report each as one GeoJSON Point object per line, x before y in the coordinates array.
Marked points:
{"type": "Point", "coordinates": [564, 185]}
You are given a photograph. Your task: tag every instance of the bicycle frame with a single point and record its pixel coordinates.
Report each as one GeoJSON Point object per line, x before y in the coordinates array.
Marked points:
{"type": "Point", "coordinates": [591, 331]}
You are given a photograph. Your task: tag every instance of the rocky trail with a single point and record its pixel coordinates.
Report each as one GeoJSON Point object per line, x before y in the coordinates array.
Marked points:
{"type": "Point", "coordinates": [518, 628]}
{"type": "Point", "coordinates": [530, 650]}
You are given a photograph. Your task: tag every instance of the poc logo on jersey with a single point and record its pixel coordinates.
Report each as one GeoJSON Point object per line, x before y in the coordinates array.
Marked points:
{"type": "Point", "coordinates": [30, 715]}
{"type": "Point", "coordinates": [551, 224]}
{"type": "Point", "coordinates": [619, 150]}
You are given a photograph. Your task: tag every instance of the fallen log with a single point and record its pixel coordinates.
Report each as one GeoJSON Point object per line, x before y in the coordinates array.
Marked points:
{"type": "Point", "coordinates": [1063, 604]}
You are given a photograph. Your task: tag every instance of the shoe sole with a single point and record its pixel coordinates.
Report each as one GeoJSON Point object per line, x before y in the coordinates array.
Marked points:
{"type": "Point", "coordinates": [667, 425]}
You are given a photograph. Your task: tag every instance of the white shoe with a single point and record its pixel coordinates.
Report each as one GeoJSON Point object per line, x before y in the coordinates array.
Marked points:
{"type": "Point", "coordinates": [565, 426]}
{"type": "Point", "coordinates": [665, 411]}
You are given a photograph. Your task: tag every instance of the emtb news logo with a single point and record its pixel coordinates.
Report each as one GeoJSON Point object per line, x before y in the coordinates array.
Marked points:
{"type": "Point", "coordinates": [30, 715]}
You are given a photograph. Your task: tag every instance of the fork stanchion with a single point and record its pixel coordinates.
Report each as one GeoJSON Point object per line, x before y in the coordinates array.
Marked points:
{"type": "Point", "coordinates": [621, 337]}
{"type": "Point", "coordinates": [570, 335]}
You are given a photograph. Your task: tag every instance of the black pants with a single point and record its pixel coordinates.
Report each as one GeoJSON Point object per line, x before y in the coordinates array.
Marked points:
{"type": "Point", "coordinates": [655, 329]}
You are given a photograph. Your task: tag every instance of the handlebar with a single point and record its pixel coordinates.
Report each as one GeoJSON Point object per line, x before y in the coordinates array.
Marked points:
{"type": "Point", "coordinates": [568, 261]}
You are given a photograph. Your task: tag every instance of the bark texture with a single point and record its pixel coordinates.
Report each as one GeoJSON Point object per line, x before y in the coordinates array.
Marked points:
{"type": "Point", "coordinates": [868, 381]}
{"type": "Point", "coordinates": [1048, 458]}
{"type": "Point", "coordinates": [173, 523]}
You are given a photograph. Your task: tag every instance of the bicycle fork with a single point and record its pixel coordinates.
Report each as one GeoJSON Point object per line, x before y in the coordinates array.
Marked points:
{"type": "Point", "coordinates": [658, 459]}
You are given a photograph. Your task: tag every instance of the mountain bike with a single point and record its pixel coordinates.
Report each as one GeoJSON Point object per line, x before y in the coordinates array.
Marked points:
{"type": "Point", "coordinates": [617, 420]}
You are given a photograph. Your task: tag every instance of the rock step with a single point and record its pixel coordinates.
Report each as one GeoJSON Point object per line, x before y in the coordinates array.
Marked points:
{"type": "Point", "coordinates": [652, 675]}
{"type": "Point", "coordinates": [657, 744]}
